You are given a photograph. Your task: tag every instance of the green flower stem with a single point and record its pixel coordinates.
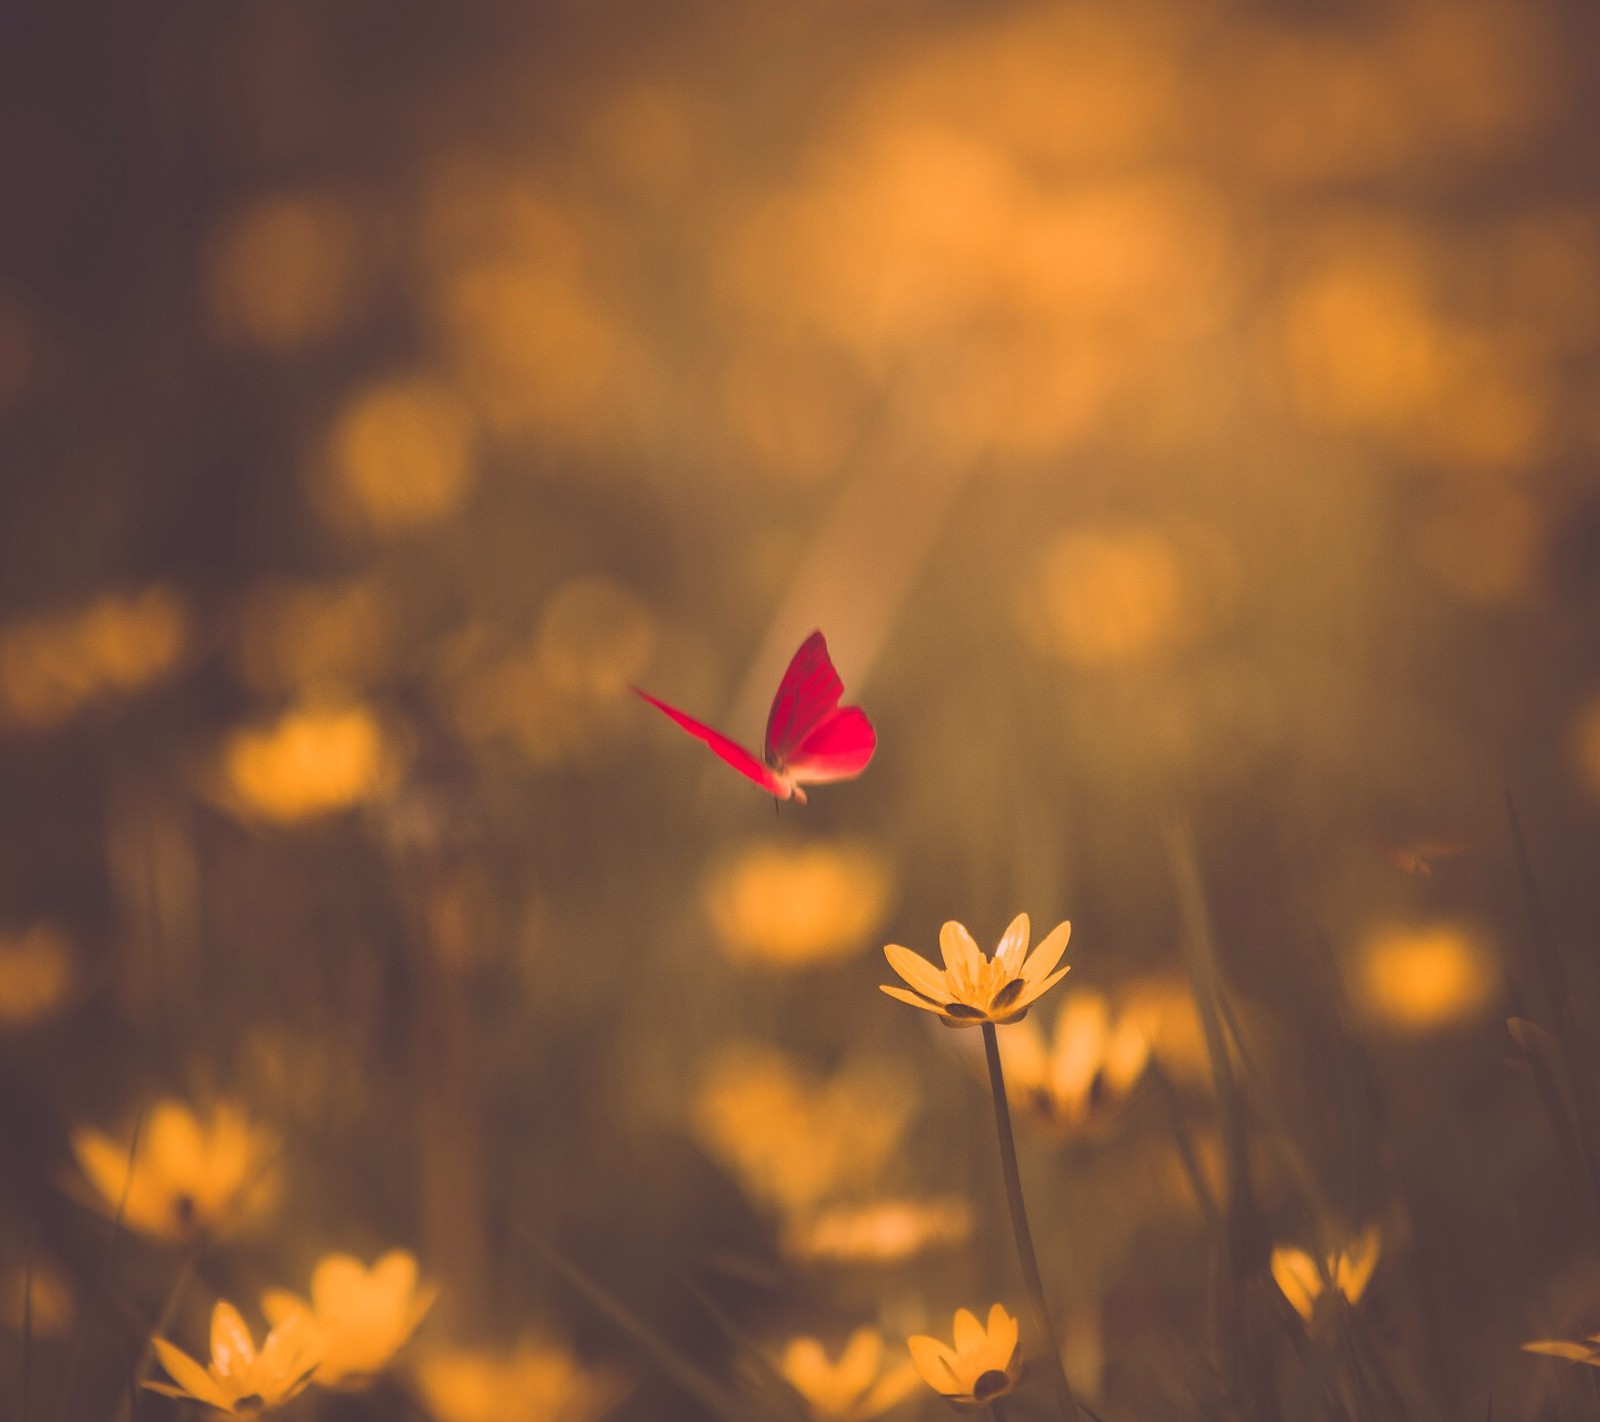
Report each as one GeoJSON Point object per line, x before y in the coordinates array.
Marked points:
{"type": "Point", "coordinates": [1019, 1224]}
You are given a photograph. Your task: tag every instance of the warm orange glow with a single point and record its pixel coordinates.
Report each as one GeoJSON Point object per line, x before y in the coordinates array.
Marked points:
{"type": "Point", "coordinates": [401, 455]}
{"type": "Point", "coordinates": [286, 270]}
{"type": "Point", "coordinates": [53, 666]}
{"type": "Point", "coordinates": [37, 968]}
{"type": "Point", "coordinates": [315, 637]}
{"type": "Point", "coordinates": [534, 347]}
{"type": "Point", "coordinates": [564, 694]}
{"type": "Point", "coordinates": [794, 1138]}
{"type": "Point", "coordinates": [1423, 977]}
{"type": "Point", "coordinates": [1075, 1078]}
{"type": "Point", "coordinates": [879, 1232]}
{"type": "Point", "coordinates": [537, 1380]}
{"type": "Point", "coordinates": [789, 904]}
{"type": "Point", "coordinates": [1482, 541]}
{"type": "Point", "coordinates": [1364, 348]}
{"type": "Point", "coordinates": [1107, 597]}
{"type": "Point", "coordinates": [310, 762]}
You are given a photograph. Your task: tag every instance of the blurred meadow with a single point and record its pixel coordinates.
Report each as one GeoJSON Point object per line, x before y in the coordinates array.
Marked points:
{"type": "Point", "coordinates": [1180, 416]}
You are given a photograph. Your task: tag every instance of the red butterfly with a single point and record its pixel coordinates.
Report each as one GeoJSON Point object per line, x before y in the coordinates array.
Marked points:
{"type": "Point", "coordinates": [810, 737]}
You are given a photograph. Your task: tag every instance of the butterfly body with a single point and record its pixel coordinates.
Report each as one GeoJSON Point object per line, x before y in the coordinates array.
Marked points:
{"type": "Point", "coordinates": [810, 740]}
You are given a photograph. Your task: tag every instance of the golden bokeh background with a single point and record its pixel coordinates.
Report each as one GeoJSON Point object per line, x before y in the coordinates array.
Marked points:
{"type": "Point", "coordinates": [1182, 411]}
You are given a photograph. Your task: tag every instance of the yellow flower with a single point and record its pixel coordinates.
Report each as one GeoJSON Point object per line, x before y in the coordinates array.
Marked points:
{"type": "Point", "coordinates": [882, 1232]}
{"type": "Point", "coordinates": [190, 1177]}
{"type": "Point", "coordinates": [240, 1381]}
{"type": "Point", "coordinates": [792, 905]}
{"type": "Point", "coordinates": [974, 989]}
{"type": "Point", "coordinates": [986, 1363]}
{"type": "Point", "coordinates": [1075, 1080]}
{"type": "Point", "coordinates": [857, 1387]}
{"type": "Point", "coordinates": [1348, 1267]}
{"type": "Point", "coordinates": [538, 1382]}
{"type": "Point", "coordinates": [1588, 1351]}
{"type": "Point", "coordinates": [364, 1315]}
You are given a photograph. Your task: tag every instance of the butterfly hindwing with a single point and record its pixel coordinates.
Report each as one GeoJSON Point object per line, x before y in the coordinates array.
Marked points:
{"type": "Point", "coordinates": [837, 748]}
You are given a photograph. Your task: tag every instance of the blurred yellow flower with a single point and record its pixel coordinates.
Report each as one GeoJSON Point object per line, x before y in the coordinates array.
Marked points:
{"type": "Point", "coordinates": [313, 761]}
{"type": "Point", "coordinates": [240, 1381]}
{"type": "Point", "coordinates": [973, 988]}
{"type": "Point", "coordinates": [54, 665]}
{"type": "Point", "coordinates": [858, 1386]}
{"type": "Point", "coordinates": [286, 270]}
{"type": "Point", "coordinates": [1075, 1080]}
{"type": "Point", "coordinates": [401, 455]}
{"type": "Point", "coordinates": [1348, 1268]}
{"type": "Point", "coordinates": [985, 1363]}
{"type": "Point", "coordinates": [789, 905]}
{"type": "Point", "coordinates": [538, 1381]}
{"type": "Point", "coordinates": [1420, 978]}
{"type": "Point", "coordinates": [36, 972]}
{"type": "Point", "coordinates": [1588, 1351]}
{"type": "Point", "coordinates": [881, 1232]}
{"type": "Point", "coordinates": [191, 1176]}
{"type": "Point", "coordinates": [792, 1138]}
{"type": "Point", "coordinates": [364, 1316]}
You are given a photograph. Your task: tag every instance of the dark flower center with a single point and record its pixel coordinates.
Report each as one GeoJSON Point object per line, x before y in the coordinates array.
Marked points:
{"type": "Point", "coordinates": [962, 1009]}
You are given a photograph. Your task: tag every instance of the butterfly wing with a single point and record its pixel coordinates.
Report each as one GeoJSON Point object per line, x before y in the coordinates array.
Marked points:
{"type": "Point", "coordinates": [745, 762]}
{"type": "Point", "coordinates": [837, 748]}
{"type": "Point", "coordinates": [808, 694]}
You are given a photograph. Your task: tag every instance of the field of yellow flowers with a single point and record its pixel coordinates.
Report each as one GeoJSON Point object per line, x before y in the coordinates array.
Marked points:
{"type": "Point", "coordinates": [1171, 996]}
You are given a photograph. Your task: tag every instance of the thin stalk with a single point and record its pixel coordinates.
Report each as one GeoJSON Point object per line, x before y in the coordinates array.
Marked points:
{"type": "Point", "coordinates": [163, 1326]}
{"type": "Point", "coordinates": [1019, 1225]}
{"type": "Point", "coordinates": [996, 1411]}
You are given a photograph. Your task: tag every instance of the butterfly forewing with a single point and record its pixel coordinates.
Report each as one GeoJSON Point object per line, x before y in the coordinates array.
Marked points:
{"type": "Point", "coordinates": [745, 762]}
{"type": "Point", "coordinates": [807, 695]}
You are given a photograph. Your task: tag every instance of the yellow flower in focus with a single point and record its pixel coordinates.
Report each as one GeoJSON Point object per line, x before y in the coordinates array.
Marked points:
{"type": "Point", "coordinates": [793, 905]}
{"type": "Point", "coordinates": [240, 1381]}
{"type": "Point", "coordinates": [537, 1382]}
{"type": "Point", "coordinates": [985, 1363]}
{"type": "Point", "coordinates": [190, 1176]}
{"type": "Point", "coordinates": [364, 1316]}
{"type": "Point", "coordinates": [311, 762]}
{"type": "Point", "coordinates": [1348, 1268]}
{"type": "Point", "coordinates": [36, 972]}
{"type": "Point", "coordinates": [1075, 1080]}
{"type": "Point", "coordinates": [857, 1387]}
{"type": "Point", "coordinates": [883, 1232]}
{"type": "Point", "coordinates": [972, 988]}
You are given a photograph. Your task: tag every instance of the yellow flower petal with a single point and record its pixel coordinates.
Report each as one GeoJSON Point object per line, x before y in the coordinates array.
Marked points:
{"type": "Point", "coordinates": [905, 995]}
{"type": "Point", "coordinates": [192, 1380]}
{"type": "Point", "coordinates": [232, 1349]}
{"type": "Point", "coordinates": [1044, 958]}
{"type": "Point", "coordinates": [1013, 945]}
{"type": "Point", "coordinates": [918, 971]}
